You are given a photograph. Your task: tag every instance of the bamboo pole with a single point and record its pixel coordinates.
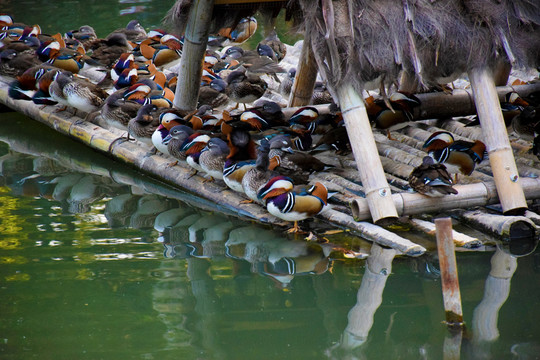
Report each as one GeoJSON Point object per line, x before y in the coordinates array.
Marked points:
{"type": "Point", "coordinates": [498, 146]}
{"type": "Point", "coordinates": [369, 297]}
{"type": "Point", "coordinates": [378, 194]}
{"type": "Point", "coordinates": [195, 40]}
{"type": "Point", "coordinates": [460, 102]}
{"type": "Point", "coordinates": [479, 194]}
{"type": "Point", "coordinates": [507, 228]}
{"type": "Point", "coordinates": [449, 275]}
{"type": "Point", "coordinates": [306, 76]}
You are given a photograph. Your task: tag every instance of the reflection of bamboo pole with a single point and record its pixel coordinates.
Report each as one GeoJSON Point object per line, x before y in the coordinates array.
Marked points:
{"type": "Point", "coordinates": [306, 76]}
{"type": "Point", "coordinates": [378, 194]}
{"type": "Point", "coordinates": [484, 321]}
{"type": "Point", "coordinates": [369, 296]}
{"type": "Point", "coordinates": [449, 275]}
{"type": "Point", "coordinates": [195, 40]}
{"type": "Point", "coordinates": [498, 146]}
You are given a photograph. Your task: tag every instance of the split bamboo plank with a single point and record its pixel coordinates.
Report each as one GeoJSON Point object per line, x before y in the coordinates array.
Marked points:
{"type": "Point", "coordinates": [378, 194]}
{"type": "Point", "coordinates": [374, 233]}
{"type": "Point", "coordinates": [191, 62]}
{"type": "Point", "coordinates": [478, 194]}
{"type": "Point", "coordinates": [460, 239]}
{"type": "Point", "coordinates": [498, 147]}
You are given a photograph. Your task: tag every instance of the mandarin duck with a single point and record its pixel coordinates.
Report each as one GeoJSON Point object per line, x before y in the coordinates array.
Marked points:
{"type": "Point", "coordinates": [241, 158]}
{"type": "Point", "coordinates": [167, 120]}
{"type": "Point", "coordinates": [213, 94]}
{"type": "Point", "coordinates": [288, 205]}
{"type": "Point", "coordinates": [176, 140]}
{"type": "Point", "coordinates": [238, 34]}
{"type": "Point", "coordinates": [107, 51]}
{"type": "Point", "coordinates": [143, 125]}
{"type": "Point", "coordinates": [213, 157]}
{"type": "Point", "coordinates": [117, 111]}
{"type": "Point", "coordinates": [274, 43]}
{"type": "Point", "coordinates": [286, 83]}
{"type": "Point", "coordinates": [254, 63]}
{"type": "Point", "coordinates": [259, 175]}
{"type": "Point", "coordinates": [193, 149]}
{"type": "Point", "coordinates": [244, 88]}
{"type": "Point", "coordinates": [294, 162]}
{"type": "Point", "coordinates": [457, 155]}
{"type": "Point", "coordinates": [431, 179]}
{"type": "Point", "coordinates": [397, 117]}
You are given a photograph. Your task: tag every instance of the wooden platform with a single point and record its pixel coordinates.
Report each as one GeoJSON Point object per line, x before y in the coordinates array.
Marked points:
{"type": "Point", "coordinates": [398, 159]}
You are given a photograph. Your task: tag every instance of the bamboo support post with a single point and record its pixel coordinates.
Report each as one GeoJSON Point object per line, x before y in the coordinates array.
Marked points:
{"type": "Point", "coordinates": [478, 194]}
{"type": "Point", "coordinates": [449, 275]}
{"type": "Point", "coordinates": [378, 194]}
{"type": "Point", "coordinates": [501, 72]}
{"type": "Point", "coordinates": [460, 239]}
{"type": "Point", "coordinates": [369, 297]}
{"type": "Point", "coordinates": [496, 291]}
{"type": "Point", "coordinates": [498, 146]}
{"type": "Point", "coordinates": [306, 76]}
{"type": "Point", "coordinates": [195, 40]}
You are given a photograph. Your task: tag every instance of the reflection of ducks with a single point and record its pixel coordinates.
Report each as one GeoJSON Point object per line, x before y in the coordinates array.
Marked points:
{"type": "Point", "coordinates": [148, 207]}
{"type": "Point", "coordinates": [170, 217]}
{"type": "Point", "coordinates": [204, 223]}
{"type": "Point", "coordinates": [84, 193]}
{"type": "Point", "coordinates": [119, 209]}
{"type": "Point", "coordinates": [431, 179]}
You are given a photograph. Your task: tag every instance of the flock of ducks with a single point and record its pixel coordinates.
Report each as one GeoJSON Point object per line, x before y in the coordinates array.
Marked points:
{"type": "Point", "coordinates": [128, 79]}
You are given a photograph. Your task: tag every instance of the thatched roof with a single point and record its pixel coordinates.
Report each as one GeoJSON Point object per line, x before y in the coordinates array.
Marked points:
{"type": "Point", "coordinates": [359, 41]}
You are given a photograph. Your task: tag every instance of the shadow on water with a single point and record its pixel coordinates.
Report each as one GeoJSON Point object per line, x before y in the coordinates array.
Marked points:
{"type": "Point", "coordinates": [193, 281]}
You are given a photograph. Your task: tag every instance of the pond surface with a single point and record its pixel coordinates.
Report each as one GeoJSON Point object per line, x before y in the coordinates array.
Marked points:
{"type": "Point", "coordinates": [100, 262]}
{"type": "Point", "coordinates": [96, 264]}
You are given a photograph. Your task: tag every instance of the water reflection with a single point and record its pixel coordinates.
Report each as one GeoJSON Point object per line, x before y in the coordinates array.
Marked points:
{"type": "Point", "coordinates": [126, 257]}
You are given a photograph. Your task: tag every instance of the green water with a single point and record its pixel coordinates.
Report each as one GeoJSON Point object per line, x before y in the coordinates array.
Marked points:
{"type": "Point", "coordinates": [85, 275]}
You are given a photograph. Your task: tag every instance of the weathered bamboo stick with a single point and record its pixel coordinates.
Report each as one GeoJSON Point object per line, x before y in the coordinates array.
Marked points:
{"type": "Point", "coordinates": [195, 40]}
{"type": "Point", "coordinates": [496, 291]}
{"type": "Point", "coordinates": [369, 297]}
{"type": "Point", "coordinates": [378, 193]}
{"type": "Point", "coordinates": [374, 233]}
{"type": "Point", "coordinates": [460, 239]}
{"type": "Point", "coordinates": [449, 274]}
{"type": "Point", "coordinates": [478, 194]}
{"type": "Point", "coordinates": [500, 153]}
{"type": "Point", "coordinates": [507, 228]}
{"type": "Point", "coordinates": [306, 76]}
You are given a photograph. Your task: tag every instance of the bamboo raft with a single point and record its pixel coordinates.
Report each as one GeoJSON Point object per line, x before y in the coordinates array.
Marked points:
{"type": "Point", "coordinates": [397, 157]}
